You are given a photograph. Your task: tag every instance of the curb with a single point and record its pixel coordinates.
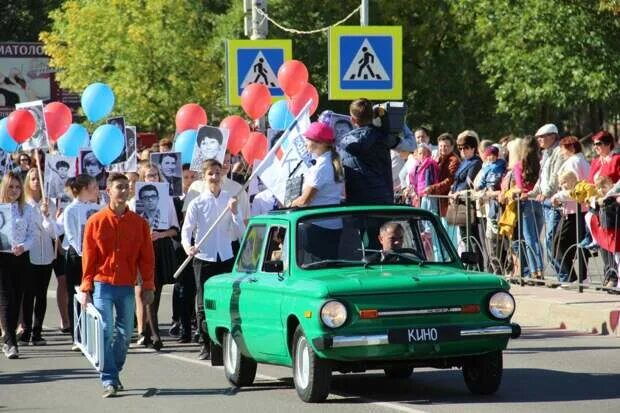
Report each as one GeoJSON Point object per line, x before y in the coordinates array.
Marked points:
{"type": "Point", "coordinates": [594, 313]}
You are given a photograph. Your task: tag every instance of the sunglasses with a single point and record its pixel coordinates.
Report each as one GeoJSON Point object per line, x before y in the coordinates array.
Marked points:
{"type": "Point", "coordinates": [598, 143]}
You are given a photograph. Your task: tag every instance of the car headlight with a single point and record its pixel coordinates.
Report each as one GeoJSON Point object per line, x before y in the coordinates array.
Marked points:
{"type": "Point", "coordinates": [501, 305]}
{"type": "Point", "coordinates": [333, 314]}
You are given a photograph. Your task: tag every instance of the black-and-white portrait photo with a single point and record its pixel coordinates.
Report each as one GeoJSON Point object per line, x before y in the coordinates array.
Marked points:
{"type": "Point", "coordinates": [171, 169]}
{"type": "Point", "coordinates": [58, 169]}
{"type": "Point", "coordinates": [90, 165]}
{"type": "Point", "coordinates": [131, 148]}
{"type": "Point", "coordinates": [39, 137]}
{"type": "Point", "coordinates": [6, 164]}
{"type": "Point", "coordinates": [119, 122]}
{"type": "Point", "coordinates": [152, 203]}
{"type": "Point", "coordinates": [5, 227]}
{"type": "Point", "coordinates": [211, 143]}
{"type": "Point", "coordinates": [341, 124]}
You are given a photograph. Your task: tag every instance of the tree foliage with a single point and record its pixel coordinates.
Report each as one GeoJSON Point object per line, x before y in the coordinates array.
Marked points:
{"type": "Point", "coordinates": [156, 55]}
{"type": "Point", "coordinates": [21, 21]}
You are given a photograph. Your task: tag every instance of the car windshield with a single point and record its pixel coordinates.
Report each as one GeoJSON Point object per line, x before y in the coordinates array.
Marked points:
{"type": "Point", "coordinates": [353, 239]}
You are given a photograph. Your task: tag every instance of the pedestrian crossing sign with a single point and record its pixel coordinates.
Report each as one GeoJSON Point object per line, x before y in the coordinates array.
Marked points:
{"type": "Point", "coordinates": [365, 61]}
{"type": "Point", "coordinates": [254, 61]}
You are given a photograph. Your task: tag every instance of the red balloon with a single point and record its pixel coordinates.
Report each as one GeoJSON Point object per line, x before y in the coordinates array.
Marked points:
{"type": "Point", "coordinates": [296, 103]}
{"type": "Point", "coordinates": [255, 148]}
{"type": "Point", "coordinates": [239, 132]}
{"type": "Point", "coordinates": [58, 118]}
{"type": "Point", "coordinates": [292, 76]}
{"type": "Point", "coordinates": [21, 124]}
{"type": "Point", "coordinates": [190, 116]}
{"type": "Point", "coordinates": [255, 100]}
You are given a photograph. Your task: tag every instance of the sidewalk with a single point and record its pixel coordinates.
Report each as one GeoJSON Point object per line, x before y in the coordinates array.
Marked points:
{"type": "Point", "coordinates": [592, 312]}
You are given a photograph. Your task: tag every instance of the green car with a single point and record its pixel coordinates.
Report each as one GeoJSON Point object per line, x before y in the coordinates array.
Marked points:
{"type": "Point", "coordinates": [356, 288]}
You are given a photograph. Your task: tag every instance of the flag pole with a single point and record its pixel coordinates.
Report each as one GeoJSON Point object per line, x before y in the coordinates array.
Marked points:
{"type": "Point", "coordinates": [255, 172]}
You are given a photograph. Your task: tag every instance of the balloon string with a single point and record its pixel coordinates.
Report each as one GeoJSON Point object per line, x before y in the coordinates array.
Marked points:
{"type": "Point", "coordinates": [291, 30]}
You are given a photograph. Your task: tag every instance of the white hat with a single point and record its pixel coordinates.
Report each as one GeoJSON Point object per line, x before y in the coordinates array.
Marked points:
{"type": "Point", "coordinates": [547, 129]}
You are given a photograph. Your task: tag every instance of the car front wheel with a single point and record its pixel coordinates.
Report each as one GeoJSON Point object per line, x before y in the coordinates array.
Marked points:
{"type": "Point", "coordinates": [311, 374]}
{"type": "Point", "coordinates": [239, 369]}
{"type": "Point", "coordinates": [483, 374]}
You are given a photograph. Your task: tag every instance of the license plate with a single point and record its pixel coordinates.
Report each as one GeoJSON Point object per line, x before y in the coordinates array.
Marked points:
{"type": "Point", "coordinates": [420, 335]}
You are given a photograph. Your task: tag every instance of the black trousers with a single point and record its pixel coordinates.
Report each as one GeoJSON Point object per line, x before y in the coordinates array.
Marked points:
{"type": "Point", "coordinates": [475, 243]}
{"type": "Point", "coordinates": [36, 281]}
{"type": "Point", "coordinates": [12, 270]}
{"type": "Point", "coordinates": [566, 238]}
{"type": "Point", "coordinates": [203, 270]}
{"type": "Point", "coordinates": [184, 300]}
{"type": "Point", "coordinates": [73, 271]}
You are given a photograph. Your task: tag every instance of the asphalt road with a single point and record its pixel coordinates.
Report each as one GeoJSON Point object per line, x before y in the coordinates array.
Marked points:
{"type": "Point", "coordinates": [545, 371]}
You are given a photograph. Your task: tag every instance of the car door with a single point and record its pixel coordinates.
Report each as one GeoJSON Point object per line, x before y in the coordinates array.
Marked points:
{"type": "Point", "coordinates": [261, 296]}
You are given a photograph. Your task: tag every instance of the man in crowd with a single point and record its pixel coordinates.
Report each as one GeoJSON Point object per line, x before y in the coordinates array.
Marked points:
{"type": "Point", "coordinates": [366, 158]}
{"type": "Point", "coordinates": [547, 185]}
{"type": "Point", "coordinates": [117, 243]}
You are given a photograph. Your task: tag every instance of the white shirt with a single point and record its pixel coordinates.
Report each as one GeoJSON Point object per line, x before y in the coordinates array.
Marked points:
{"type": "Point", "coordinates": [74, 219]}
{"type": "Point", "coordinates": [201, 214]}
{"type": "Point", "coordinates": [263, 202]}
{"type": "Point", "coordinates": [228, 185]}
{"type": "Point", "coordinates": [44, 232]}
{"type": "Point", "coordinates": [321, 177]}
{"type": "Point", "coordinates": [22, 226]}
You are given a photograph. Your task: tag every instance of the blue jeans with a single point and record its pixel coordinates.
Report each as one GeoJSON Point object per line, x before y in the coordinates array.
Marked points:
{"type": "Point", "coordinates": [532, 220]}
{"type": "Point", "coordinates": [552, 220]}
{"type": "Point", "coordinates": [117, 332]}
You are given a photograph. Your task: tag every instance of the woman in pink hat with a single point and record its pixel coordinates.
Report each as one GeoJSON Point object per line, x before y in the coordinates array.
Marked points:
{"type": "Point", "coordinates": [323, 185]}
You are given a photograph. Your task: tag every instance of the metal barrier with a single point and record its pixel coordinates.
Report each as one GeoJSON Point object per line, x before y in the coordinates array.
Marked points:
{"type": "Point", "coordinates": [88, 333]}
{"type": "Point", "coordinates": [550, 275]}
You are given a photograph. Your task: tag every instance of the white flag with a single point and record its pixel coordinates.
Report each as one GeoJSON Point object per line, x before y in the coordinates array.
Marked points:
{"type": "Point", "coordinates": [288, 157]}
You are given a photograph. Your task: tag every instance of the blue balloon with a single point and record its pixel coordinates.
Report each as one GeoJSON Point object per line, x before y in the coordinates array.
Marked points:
{"type": "Point", "coordinates": [97, 101]}
{"type": "Point", "coordinates": [7, 143]}
{"type": "Point", "coordinates": [184, 143]}
{"type": "Point", "coordinates": [72, 140]}
{"type": "Point", "coordinates": [107, 143]}
{"type": "Point", "coordinates": [279, 116]}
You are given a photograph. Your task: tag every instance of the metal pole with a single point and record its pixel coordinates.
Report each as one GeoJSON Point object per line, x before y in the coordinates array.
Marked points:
{"type": "Point", "coordinates": [364, 13]}
{"type": "Point", "coordinates": [520, 246]}
{"type": "Point", "coordinates": [259, 31]}
{"type": "Point", "coordinates": [580, 257]}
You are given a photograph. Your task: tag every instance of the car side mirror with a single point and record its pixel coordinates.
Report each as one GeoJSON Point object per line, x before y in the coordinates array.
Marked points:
{"type": "Point", "coordinates": [273, 266]}
{"type": "Point", "coordinates": [470, 258]}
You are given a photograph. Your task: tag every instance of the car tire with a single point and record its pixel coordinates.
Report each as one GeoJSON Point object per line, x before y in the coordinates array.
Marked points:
{"type": "Point", "coordinates": [483, 374]}
{"type": "Point", "coordinates": [312, 375]}
{"type": "Point", "coordinates": [239, 369]}
{"type": "Point", "coordinates": [400, 372]}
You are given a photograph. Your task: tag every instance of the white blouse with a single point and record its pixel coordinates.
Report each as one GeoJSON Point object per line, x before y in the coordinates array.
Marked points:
{"type": "Point", "coordinates": [45, 231]}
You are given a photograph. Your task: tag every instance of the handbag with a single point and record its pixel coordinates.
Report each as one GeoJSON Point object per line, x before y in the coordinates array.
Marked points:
{"type": "Point", "coordinates": [457, 214]}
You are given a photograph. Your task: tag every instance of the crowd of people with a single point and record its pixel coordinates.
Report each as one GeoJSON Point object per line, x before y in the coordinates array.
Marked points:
{"type": "Point", "coordinates": [112, 250]}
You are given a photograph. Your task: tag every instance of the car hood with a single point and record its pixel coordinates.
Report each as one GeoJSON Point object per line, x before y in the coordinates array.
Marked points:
{"type": "Point", "coordinates": [406, 278]}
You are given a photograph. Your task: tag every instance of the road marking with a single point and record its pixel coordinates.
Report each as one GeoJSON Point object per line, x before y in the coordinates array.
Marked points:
{"type": "Point", "coordinates": [342, 395]}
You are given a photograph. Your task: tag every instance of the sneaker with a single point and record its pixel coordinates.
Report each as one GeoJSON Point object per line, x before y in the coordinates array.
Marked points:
{"type": "Point", "coordinates": [10, 351]}
{"type": "Point", "coordinates": [38, 341]}
{"type": "Point", "coordinates": [175, 329]}
{"type": "Point", "coordinates": [205, 353]}
{"type": "Point", "coordinates": [109, 391]}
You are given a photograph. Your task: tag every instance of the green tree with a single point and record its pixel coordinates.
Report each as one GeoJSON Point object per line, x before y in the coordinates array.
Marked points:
{"type": "Point", "coordinates": [22, 21]}
{"type": "Point", "coordinates": [546, 60]}
{"type": "Point", "coordinates": [156, 55]}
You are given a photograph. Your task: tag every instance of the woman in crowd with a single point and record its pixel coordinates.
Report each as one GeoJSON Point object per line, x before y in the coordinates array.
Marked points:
{"type": "Point", "coordinates": [165, 264]}
{"type": "Point", "coordinates": [574, 169]}
{"type": "Point", "coordinates": [425, 174]}
{"type": "Point", "coordinates": [525, 175]}
{"type": "Point", "coordinates": [467, 144]}
{"type": "Point", "coordinates": [41, 255]}
{"type": "Point", "coordinates": [215, 255]}
{"type": "Point", "coordinates": [14, 263]}
{"type": "Point", "coordinates": [85, 192]}
{"type": "Point", "coordinates": [323, 185]}
{"type": "Point", "coordinates": [607, 161]}
{"type": "Point", "coordinates": [448, 165]}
